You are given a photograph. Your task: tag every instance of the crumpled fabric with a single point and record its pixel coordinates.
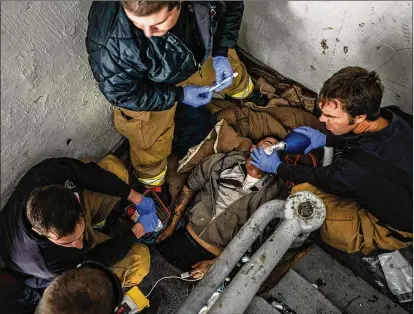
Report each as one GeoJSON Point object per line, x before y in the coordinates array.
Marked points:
{"type": "Point", "coordinates": [238, 127]}
{"type": "Point", "coordinates": [281, 91]}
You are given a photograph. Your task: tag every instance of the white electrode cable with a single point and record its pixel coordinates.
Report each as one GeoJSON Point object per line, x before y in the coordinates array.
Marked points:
{"type": "Point", "coordinates": [171, 277]}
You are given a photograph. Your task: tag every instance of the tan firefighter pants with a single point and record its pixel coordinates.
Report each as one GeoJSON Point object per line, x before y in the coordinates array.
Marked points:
{"type": "Point", "coordinates": [350, 228]}
{"type": "Point", "coordinates": [136, 263]}
{"type": "Point", "coordinates": [150, 133]}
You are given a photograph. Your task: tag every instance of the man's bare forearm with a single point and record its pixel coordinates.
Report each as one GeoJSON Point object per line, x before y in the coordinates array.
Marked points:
{"type": "Point", "coordinates": [181, 204]}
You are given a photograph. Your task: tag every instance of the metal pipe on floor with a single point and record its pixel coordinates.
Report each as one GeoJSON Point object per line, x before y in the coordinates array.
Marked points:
{"type": "Point", "coordinates": [305, 213]}
{"type": "Point", "coordinates": [231, 255]}
{"type": "Point", "coordinates": [253, 274]}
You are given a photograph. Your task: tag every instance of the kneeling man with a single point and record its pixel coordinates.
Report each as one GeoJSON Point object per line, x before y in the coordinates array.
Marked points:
{"type": "Point", "coordinates": [367, 189]}
{"type": "Point", "coordinates": [46, 227]}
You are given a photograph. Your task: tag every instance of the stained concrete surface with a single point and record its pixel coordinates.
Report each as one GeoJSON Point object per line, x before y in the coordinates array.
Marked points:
{"type": "Point", "coordinates": [301, 296]}
{"type": "Point", "coordinates": [50, 105]}
{"type": "Point", "coordinates": [308, 41]}
{"type": "Point", "coordinates": [260, 306]}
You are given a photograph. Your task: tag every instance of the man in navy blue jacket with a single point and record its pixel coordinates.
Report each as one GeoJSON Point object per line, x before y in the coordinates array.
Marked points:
{"type": "Point", "coordinates": [147, 56]}
{"type": "Point", "coordinates": [367, 208]}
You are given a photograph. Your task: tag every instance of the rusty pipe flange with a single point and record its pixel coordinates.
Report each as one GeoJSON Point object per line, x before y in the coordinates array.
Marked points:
{"type": "Point", "coordinates": [307, 208]}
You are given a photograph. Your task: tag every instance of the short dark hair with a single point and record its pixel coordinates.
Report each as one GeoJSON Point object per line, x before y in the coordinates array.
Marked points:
{"type": "Point", "coordinates": [145, 8]}
{"type": "Point", "coordinates": [79, 291]}
{"type": "Point", "coordinates": [54, 208]}
{"type": "Point", "coordinates": [359, 91]}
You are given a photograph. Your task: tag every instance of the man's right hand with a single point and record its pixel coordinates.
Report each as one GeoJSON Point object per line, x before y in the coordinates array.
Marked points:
{"type": "Point", "coordinates": [265, 162]}
{"type": "Point", "coordinates": [317, 138]}
{"type": "Point", "coordinates": [196, 96]}
{"type": "Point", "coordinates": [149, 222]}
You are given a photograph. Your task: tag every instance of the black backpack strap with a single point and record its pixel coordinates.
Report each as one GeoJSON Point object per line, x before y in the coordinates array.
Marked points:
{"type": "Point", "coordinates": [381, 167]}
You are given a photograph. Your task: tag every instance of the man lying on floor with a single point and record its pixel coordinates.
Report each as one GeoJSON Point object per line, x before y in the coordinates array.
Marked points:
{"type": "Point", "coordinates": [225, 190]}
{"type": "Point", "coordinates": [46, 227]}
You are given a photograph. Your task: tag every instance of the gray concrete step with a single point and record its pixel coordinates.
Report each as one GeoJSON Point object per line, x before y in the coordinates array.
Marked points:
{"type": "Point", "coordinates": [260, 306]}
{"type": "Point", "coordinates": [301, 296]}
{"type": "Point", "coordinates": [342, 287]}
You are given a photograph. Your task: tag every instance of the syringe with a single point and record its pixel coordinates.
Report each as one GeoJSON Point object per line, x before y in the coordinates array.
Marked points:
{"type": "Point", "coordinates": [223, 81]}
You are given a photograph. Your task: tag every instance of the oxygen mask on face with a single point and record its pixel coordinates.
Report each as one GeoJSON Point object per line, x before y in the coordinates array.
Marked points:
{"type": "Point", "coordinates": [294, 143]}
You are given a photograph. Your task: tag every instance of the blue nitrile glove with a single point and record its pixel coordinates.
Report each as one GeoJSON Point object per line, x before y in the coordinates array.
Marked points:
{"type": "Point", "coordinates": [317, 138]}
{"type": "Point", "coordinates": [146, 206]}
{"type": "Point", "coordinates": [149, 222]}
{"type": "Point", "coordinates": [265, 162]}
{"type": "Point", "coordinates": [223, 70]}
{"type": "Point", "coordinates": [196, 96]}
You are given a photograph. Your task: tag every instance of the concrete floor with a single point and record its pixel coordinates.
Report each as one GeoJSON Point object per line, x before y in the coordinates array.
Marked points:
{"type": "Point", "coordinates": [171, 292]}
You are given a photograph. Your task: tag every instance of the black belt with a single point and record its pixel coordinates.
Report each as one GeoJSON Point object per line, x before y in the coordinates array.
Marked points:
{"type": "Point", "coordinates": [395, 234]}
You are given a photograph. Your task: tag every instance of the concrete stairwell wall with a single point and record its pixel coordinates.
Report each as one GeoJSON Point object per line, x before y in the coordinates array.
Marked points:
{"type": "Point", "coordinates": [308, 41]}
{"type": "Point", "coordinates": [50, 106]}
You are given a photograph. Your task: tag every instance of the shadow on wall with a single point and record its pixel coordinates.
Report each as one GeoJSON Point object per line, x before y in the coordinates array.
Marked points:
{"type": "Point", "coordinates": [308, 41]}
{"type": "Point", "coordinates": [266, 34]}
{"type": "Point", "coordinates": [48, 94]}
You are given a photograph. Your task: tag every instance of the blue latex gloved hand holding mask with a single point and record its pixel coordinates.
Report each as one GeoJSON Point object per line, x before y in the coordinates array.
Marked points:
{"type": "Point", "coordinates": [265, 162]}
{"type": "Point", "coordinates": [223, 70]}
{"type": "Point", "coordinates": [197, 96]}
{"type": "Point", "coordinates": [317, 138]}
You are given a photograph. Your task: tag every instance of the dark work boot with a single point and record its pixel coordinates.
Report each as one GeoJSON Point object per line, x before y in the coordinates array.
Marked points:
{"type": "Point", "coordinates": [257, 98]}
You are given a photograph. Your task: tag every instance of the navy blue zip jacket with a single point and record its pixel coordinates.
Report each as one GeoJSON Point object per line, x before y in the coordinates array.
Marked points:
{"type": "Point", "coordinates": [387, 200]}
{"type": "Point", "coordinates": [140, 73]}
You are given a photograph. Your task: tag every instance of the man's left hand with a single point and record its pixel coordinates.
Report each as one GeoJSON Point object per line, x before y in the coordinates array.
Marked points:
{"type": "Point", "coordinates": [134, 197]}
{"type": "Point", "coordinates": [200, 269]}
{"type": "Point", "coordinates": [265, 162]}
{"type": "Point", "coordinates": [223, 70]}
